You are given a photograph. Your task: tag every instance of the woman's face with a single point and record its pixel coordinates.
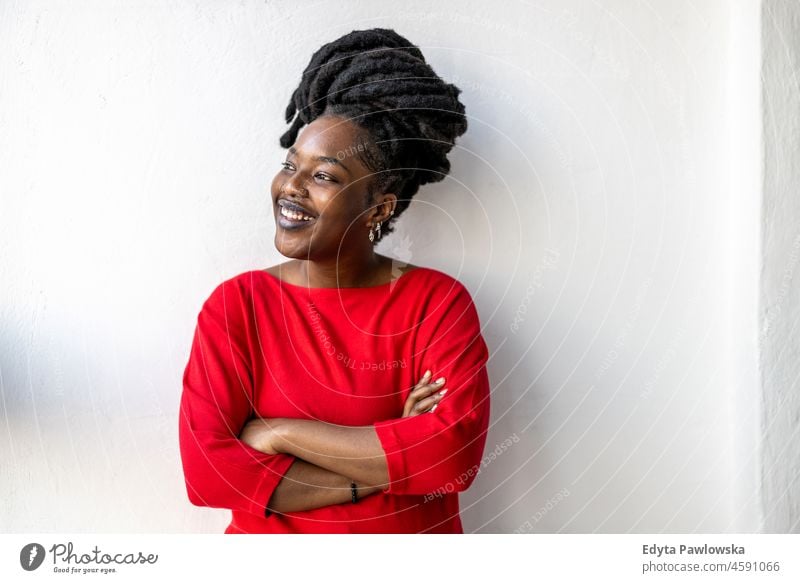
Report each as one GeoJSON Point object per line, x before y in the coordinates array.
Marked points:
{"type": "Point", "coordinates": [319, 194]}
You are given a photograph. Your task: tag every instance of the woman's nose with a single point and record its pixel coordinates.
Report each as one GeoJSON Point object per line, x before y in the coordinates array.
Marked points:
{"type": "Point", "coordinates": [295, 185]}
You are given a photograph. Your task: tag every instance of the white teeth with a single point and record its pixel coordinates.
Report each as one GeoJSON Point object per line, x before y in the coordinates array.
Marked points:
{"type": "Point", "coordinates": [293, 215]}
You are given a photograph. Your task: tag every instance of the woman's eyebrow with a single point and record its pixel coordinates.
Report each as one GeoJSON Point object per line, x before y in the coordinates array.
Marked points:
{"type": "Point", "coordinates": [328, 159]}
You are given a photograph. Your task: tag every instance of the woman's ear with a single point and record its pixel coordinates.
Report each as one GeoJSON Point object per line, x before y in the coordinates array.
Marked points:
{"type": "Point", "coordinates": [385, 207]}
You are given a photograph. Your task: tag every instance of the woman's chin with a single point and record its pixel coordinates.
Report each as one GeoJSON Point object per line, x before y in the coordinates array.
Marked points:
{"type": "Point", "coordinates": [289, 248]}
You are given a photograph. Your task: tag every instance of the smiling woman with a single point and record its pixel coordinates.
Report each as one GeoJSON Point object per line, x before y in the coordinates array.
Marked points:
{"type": "Point", "coordinates": [308, 401]}
{"type": "Point", "coordinates": [321, 196]}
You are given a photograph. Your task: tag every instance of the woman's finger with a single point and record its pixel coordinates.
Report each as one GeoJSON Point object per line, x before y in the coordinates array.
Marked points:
{"type": "Point", "coordinates": [429, 402]}
{"type": "Point", "coordinates": [424, 380]}
{"type": "Point", "coordinates": [425, 391]}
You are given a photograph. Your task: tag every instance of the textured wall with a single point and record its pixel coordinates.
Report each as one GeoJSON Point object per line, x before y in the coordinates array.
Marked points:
{"type": "Point", "coordinates": [588, 212]}
{"type": "Point", "coordinates": [780, 285]}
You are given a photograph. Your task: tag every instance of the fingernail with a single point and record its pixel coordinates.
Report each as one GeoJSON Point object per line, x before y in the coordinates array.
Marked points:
{"type": "Point", "coordinates": [439, 381]}
{"type": "Point", "coordinates": [433, 408]}
{"type": "Point", "coordinates": [427, 374]}
{"type": "Point", "coordinates": [441, 393]}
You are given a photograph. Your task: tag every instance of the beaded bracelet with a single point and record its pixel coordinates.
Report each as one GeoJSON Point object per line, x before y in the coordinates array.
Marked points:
{"type": "Point", "coordinates": [354, 492]}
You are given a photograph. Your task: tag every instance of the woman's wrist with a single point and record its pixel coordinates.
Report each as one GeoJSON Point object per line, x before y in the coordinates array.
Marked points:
{"type": "Point", "coordinates": [364, 490]}
{"type": "Point", "coordinates": [279, 436]}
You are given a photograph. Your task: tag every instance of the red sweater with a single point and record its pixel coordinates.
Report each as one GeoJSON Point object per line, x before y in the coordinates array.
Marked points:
{"type": "Point", "coordinates": [266, 348]}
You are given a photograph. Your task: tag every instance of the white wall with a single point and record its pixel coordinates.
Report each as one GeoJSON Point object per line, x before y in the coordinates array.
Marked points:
{"type": "Point", "coordinates": [742, 254]}
{"type": "Point", "coordinates": [780, 286]}
{"type": "Point", "coordinates": [589, 210]}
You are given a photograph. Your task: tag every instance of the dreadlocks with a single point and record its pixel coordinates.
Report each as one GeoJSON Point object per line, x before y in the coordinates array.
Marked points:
{"type": "Point", "coordinates": [380, 81]}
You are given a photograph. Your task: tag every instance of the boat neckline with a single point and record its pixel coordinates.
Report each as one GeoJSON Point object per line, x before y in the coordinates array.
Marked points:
{"type": "Point", "coordinates": [282, 283]}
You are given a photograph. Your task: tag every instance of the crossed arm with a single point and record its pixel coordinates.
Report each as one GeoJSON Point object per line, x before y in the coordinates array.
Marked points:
{"type": "Point", "coordinates": [330, 456]}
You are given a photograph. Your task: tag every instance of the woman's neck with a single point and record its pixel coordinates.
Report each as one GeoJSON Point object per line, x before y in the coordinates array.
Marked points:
{"type": "Point", "coordinates": [344, 272]}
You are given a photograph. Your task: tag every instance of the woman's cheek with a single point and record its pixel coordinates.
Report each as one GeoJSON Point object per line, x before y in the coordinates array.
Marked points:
{"type": "Point", "coordinates": [275, 187]}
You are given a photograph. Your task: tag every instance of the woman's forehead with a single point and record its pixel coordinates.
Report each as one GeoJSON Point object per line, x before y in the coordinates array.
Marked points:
{"type": "Point", "coordinates": [330, 131]}
{"type": "Point", "coordinates": [336, 139]}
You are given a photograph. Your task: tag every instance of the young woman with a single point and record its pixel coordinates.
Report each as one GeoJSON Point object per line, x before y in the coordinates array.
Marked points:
{"type": "Point", "coordinates": [339, 392]}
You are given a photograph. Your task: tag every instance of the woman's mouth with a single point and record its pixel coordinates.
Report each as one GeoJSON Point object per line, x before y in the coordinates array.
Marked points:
{"type": "Point", "coordinates": [290, 219]}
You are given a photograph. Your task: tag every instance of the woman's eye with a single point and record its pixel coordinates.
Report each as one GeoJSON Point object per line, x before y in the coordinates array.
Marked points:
{"type": "Point", "coordinates": [325, 177]}
{"type": "Point", "coordinates": [286, 165]}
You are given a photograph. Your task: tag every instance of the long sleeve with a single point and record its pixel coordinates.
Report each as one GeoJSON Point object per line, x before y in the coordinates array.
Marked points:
{"type": "Point", "coordinates": [441, 451]}
{"type": "Point", "coordinates": [217, 400]}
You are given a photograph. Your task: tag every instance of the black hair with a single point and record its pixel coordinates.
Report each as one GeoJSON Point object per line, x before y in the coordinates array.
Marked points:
{"type": "Point", "coordinates": [381, 82]}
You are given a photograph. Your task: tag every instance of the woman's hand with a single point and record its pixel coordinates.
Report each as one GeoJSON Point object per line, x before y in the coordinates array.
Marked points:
{"type": "Point", "coordinates": [261, 434]}
{"type": "Point", "coordinates": [424, 396]}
